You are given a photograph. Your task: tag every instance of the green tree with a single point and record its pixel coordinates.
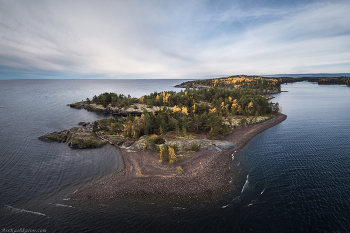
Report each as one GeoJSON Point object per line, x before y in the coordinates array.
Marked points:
{"type": "Point", "coordinates": [164, 154]}
{"type": "Point", "coordinates": [95, 126]}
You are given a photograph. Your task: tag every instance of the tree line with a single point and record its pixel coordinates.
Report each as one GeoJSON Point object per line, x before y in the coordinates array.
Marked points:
{"type": "Point", "coordinates": [191, 110]}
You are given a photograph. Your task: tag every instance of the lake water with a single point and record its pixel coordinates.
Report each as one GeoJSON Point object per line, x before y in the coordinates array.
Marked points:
{"type": "Point", "coordinates": [294, 177]}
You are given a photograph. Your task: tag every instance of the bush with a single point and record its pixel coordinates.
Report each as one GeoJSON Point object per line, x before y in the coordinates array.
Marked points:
{"type": "Point", "coordinates": [195, 147]}
{"type": "Point", "coordinates": [95, 126]}
{"type": "Point", "coordinates": [179, 169]}
{"type": "Point", "coordinates": [150, 144]}
{"type": "Point", "coordinates": [164, 153]}
{"type": "Point", "coordinates": [175, 147]}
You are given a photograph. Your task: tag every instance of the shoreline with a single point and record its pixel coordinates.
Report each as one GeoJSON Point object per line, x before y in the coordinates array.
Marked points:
{"type": "Point", "coordinates": [203, 173]}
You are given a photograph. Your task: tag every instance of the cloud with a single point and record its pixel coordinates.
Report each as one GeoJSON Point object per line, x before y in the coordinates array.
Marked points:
{"type": "Point", "coordinates": [171, 39]}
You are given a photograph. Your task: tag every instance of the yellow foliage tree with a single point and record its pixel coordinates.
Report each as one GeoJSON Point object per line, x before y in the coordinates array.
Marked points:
{"type": "Point", "coordinates": [172, 155]}
{"type": "Point", "coordinates": [166, 97]}
{"type": "Point", "coordinates": [234, 104]}
{"type": "Point", "coordinates": [161, 150]}
{"type": "Point", "coordinates": [128, 129]}
{"type": "Point", "coordinates": [184, 110]}
{"type": "Point", "coordinates": [213, 110]}
{"type": "Point", "coordinates": [176, 109]}
{"type": "Point", "coordinates": [250, 106]}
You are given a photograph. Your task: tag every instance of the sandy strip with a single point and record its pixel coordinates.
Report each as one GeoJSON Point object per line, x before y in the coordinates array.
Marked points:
{"type": "Point", "coordinates": [241, 136]}
{"type": "Point", "coordinates": [203, 173]}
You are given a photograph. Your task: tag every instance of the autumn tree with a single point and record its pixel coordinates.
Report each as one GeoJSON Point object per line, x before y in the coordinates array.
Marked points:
{"type": "Point", "coordinates": [172, 155]}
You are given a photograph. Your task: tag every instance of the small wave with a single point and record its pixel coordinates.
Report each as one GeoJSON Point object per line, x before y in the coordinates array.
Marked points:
{"type": "Point", "coordinates": [60, 205]}
{"type": "Point", "coordinates": [66, 199]}
{"type": "Point", "coordinates": [235, 200]}
{"type": "Point", "coordinates": [17, 211]}
{"type": "Point", "coordinates": [250, 204]}
{"type": "Point", "coordinates": [233, 157]}
{"type": "Point", "coordinates": [76, 191]}
{"type": "Point", "coordinates": [263, 191]}
{"type": "Point", "coordinates": [246, 185]}
{"type": "Point", "coordinates": [178, 208]}
{"type": "Point", "coordinates": [238, 164]}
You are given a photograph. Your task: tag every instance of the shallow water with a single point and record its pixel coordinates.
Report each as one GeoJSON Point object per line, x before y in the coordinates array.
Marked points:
{"type": "Point", "coordinates": [293, 177]}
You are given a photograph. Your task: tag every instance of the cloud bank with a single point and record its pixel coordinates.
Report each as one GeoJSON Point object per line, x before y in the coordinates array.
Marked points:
{"type": "Point", "coordinates": [172, 39]}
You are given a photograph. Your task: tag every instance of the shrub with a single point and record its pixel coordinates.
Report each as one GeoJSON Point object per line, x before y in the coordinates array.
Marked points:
{"type": "Point", "coordinates": [164, 153]}
{"type": "Point", "coordinates": [175, 147]}
{"type": "Point", "coordinates": [195, 146]}
{"type": "Point", "coordinates": [95, 126]}
{"type": "Point", "coordinates": [179, 169]}
{"type": "Point", "coordinates": [150, 144]}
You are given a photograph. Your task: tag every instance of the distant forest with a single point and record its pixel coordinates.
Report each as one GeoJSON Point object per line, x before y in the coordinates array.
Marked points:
{"type": "Point", "coordinates": [330, 80]}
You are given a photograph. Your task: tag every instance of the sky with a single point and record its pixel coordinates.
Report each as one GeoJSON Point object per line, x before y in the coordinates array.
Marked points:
{"type": "Point", "coordinates": [172, 39]}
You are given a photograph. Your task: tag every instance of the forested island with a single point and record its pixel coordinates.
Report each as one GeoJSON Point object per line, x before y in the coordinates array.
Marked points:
{"type": "Point", "coordinates": [176, 135]}
{"type": "Point", "coordinates": [329, 80]}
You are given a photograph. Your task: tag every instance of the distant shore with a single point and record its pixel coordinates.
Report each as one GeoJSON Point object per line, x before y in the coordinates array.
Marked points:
{"type": "Point", "coordinates": [203, 173]}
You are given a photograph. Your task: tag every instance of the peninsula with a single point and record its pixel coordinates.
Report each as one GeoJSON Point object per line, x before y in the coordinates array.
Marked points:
{"type": "Point", "coordinates": [176, 143]}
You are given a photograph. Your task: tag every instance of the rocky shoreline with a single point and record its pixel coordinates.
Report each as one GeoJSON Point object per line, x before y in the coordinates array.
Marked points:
{"type": "Point", "coordinates": [204, 172]}
{"type": "Point", "coordinates": [77, 138]}
{"type": "Point", "coordinates": [134, 109]}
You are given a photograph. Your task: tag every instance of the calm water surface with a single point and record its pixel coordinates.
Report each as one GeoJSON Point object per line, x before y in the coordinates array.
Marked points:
{"type": "Point", "coordinates": [293, 177]}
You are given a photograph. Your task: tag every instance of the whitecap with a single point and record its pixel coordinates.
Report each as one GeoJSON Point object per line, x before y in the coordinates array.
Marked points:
{"type": "Point", "coordinates": [246, 185]}
{"type": "Point", "coordinates": [60, 205]}
{"type": "Point", "coordinates": [16, 211]}
{"type": "Point", "coordinates": [225, 206]}
{"type": "Point", "coordinates": [178, 208]}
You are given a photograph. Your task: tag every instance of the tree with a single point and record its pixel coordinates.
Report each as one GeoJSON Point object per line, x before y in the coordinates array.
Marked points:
{"type": "Point", "coordinates": [250, 107]}
{"type": "Point", "coordinates": [128, 129]}
{"type": "Point", "coordinates": [95, 126]}
{"type": "Point", "coordinates": [113, 101]}
{"type": "Point", "coordinates": [103, 101]}
{"type": "Point", "coordinates": [172, 155]}
{"type": "Point", "coordinates": [164, 154]}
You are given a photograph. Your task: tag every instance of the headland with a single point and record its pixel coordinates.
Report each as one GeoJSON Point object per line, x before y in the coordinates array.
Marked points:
{"type": "Point", "coordinates": [204, 172]}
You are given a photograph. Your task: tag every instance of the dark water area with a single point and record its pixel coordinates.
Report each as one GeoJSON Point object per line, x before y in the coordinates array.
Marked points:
{"type": "Point", "coordinates": [294, 177]}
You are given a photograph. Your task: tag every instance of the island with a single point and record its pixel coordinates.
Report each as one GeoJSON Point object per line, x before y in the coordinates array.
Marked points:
{"type": "Point", "coordinates": [175, 142]}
